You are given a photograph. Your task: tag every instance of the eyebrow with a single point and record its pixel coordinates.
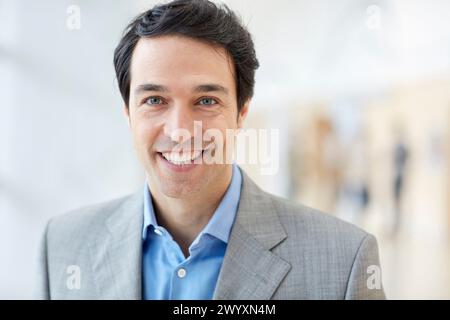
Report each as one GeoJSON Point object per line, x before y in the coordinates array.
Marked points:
{"type": "Point", "coordinates": [208, 87]}
{"type": "Point", "coordinates": [150, 87]}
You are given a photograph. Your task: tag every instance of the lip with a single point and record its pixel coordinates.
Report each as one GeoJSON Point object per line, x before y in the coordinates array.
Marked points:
{"type": "Point", "coordinates": [177, 168]}
{"type": "Point", "coordinates": [194, 150]}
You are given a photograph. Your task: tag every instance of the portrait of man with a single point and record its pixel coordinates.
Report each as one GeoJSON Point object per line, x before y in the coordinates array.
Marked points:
{"type": "Point", "coordinates": [200, 227]}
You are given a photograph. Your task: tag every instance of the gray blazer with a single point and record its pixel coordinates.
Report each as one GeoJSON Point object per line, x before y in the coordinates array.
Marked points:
{"type": "Point", "coordinates": [276, 250]}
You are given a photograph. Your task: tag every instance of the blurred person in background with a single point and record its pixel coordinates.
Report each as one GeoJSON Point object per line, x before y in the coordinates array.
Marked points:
{"type": "Point", "coordinates": [400, 165]}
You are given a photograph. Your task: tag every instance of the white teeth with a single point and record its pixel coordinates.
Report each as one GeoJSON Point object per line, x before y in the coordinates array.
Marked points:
{"type": "Point", "coordinates": [181, 158]}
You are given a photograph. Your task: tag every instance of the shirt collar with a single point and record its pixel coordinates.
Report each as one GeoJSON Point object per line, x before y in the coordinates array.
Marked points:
{"type": "Point", "coordinates": [220, 224]}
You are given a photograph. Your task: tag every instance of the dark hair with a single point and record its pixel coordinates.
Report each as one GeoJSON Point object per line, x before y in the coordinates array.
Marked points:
{"type": "Point", "coordinates": [197, 19]}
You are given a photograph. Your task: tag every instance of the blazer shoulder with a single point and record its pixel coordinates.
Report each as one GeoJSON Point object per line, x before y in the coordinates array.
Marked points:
{"type": "Point", "coordinates": [298, 218]}
{"type": "Point", "coordinates": [85, 219]}
{"type": "Point", "coordinates": [329, 257]}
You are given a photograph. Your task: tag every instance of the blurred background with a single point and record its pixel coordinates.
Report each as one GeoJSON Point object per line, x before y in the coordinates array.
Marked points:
{"type": "Point", "coordinates": [359, 91]}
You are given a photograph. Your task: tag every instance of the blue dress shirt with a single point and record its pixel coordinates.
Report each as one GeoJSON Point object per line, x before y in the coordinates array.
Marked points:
{"type": "Point", "coordinates": [166, 273]}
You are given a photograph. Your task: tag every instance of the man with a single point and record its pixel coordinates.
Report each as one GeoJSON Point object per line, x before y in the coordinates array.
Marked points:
{"type": "Point", "coordinates": [199, 229]}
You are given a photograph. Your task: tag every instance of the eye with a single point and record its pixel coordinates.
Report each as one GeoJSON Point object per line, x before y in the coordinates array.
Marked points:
{"type": "Point", "coordinates": [154, 101]}
{"type": "Point", "coordinates": [207, 101]}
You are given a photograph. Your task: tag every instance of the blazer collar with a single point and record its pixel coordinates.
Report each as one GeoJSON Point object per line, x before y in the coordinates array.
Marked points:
{"type": "Point", "coordinates": [249, 269]}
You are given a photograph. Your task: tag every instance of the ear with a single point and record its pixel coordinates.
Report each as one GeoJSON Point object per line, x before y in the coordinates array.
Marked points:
{"type": "Point", "coordinates": [126, 112]}
{"type": "Point", "coordinates": [243, 114]}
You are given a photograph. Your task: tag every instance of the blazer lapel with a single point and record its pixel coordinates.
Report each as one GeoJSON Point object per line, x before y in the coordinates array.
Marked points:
{"type": "Point", "coordinates": [117, 252]}
{"type": "Point", "coordinates": [249, 269]}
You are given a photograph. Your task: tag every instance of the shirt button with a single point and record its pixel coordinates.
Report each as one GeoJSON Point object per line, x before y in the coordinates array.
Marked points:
{"type": "Point", "coordinates": [158, 232]}
{"type": "Point", "coordinates": [181, 273]}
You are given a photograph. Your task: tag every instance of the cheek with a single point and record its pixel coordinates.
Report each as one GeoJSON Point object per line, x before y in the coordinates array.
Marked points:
{"type": "Point", "coordinates": [145, 134]}
{"type": "Point", "coordinates": [225, 128]}
{"type": "Point", "coordinates": [226, 119]}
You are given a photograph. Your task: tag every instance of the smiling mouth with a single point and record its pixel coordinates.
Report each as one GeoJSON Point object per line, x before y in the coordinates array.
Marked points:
{"type": "Point", "coordinates": [180, 159]}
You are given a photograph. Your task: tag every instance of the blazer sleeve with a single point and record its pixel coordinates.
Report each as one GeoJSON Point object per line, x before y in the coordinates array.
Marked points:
{"type": "Point", "coordinates": [365, 280]}
{"type": "Point", "coordinates": [41, 289]}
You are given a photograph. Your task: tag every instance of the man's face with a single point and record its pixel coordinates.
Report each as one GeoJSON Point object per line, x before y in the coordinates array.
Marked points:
{"type": "Point", "coordinates": [175, 81]}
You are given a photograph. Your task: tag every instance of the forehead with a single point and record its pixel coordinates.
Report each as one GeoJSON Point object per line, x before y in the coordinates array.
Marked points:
{"type": "Point", "coordinates": [180, 61]}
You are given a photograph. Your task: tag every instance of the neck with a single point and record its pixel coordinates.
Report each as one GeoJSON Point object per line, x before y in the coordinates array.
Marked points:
{"type": "Point", "coordinates": [185, 218]}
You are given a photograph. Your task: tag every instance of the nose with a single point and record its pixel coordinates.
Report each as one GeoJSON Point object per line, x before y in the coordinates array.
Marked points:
{"type": "Point", "coordinates": [179, 124]}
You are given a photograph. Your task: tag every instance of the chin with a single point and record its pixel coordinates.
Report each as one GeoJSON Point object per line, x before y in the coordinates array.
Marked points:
{"type": "Point", "coordinates": [177, 191]}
